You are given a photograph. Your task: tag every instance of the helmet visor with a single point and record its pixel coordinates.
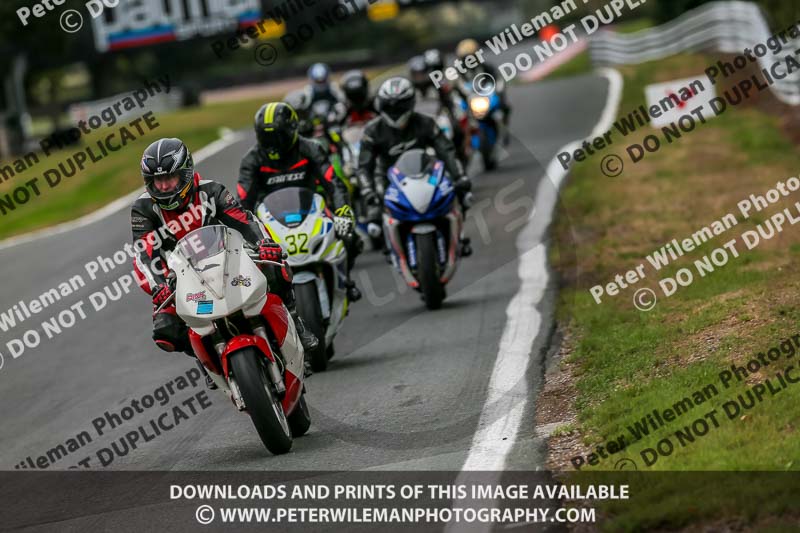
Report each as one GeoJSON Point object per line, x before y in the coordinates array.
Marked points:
{"type": "Point", "coordinates": [278, 140]}
{"type": "Point", "coordinates": [395, 110]}
{"type": "Point", "coordinates": [170, 191]}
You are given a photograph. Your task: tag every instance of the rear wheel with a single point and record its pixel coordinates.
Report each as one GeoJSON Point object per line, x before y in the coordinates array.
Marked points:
{"type": "Point", "coordinates": [309, 310]}
{"type": "Point", "coordinates": [488, 153]}
{"type": "Point", "coordinates": [300, 419]}
{"type": "Point", "coordinates": [261, 400]}
{"type": "Point", "coordinates": [428, 271]}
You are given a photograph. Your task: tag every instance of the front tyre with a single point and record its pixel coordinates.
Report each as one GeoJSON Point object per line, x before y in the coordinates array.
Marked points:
{"type": "Point", "coordinates": [309, 310]}
{"type": "Point", "coordinates": [261, 400]}
{"type": "Point", "coordinates": [428, 271]}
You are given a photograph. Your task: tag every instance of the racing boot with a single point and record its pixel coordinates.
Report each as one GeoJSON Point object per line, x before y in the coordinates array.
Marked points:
{"type": "Point", "coordinates": [353, 294]}
{"type": "Point", "coordinates": [466, 248]}
{"type": "Point", "coordinates": [354, 246]}
{"type": "Point", "coordinates": [307, 338]}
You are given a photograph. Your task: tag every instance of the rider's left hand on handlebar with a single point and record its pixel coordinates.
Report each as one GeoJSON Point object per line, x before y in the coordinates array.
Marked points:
{"type": "Point", "coordinates": [344, 221]}
{"type": "Point", "coordinates": [270, 251]}
{"type": "Point", "coordinates": [463, 184]}
{"type": "Point", "coordinates": [161, 293]}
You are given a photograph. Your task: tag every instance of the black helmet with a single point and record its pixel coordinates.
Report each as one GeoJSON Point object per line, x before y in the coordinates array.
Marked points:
{"type": "Point", "coordinates": [167, 157]}
{"type": "Point", "coordinates": [356, 87]}
{"type": "Point", "coordinates": [276, 126]}
{"type": "Point", "coordinates": [396, 99]}
{"type": "Point", "coordinates": [301, 103]}
{"type": "Point", "coordinates": [433, 60]}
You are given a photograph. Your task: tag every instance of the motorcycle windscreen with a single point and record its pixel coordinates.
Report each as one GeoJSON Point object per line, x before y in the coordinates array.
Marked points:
{"type": "Point", "coordinates": [415, 164]}
{"type": "Point", "coordinates": [290, 206]}
{"type": "Point", "coordinates": [204, 252]}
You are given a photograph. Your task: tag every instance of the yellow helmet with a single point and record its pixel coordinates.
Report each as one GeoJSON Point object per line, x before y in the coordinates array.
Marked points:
{"type": "Point", "coordinates": [467, 47]}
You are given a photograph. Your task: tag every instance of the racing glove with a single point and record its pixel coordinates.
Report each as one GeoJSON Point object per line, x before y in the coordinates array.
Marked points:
{"type": "Point", "coordinates": [462, 185]}
{"type": "Point", "coordinates": [161, 293]}
{"type": "Point", "coordinates": [373, 204]}
{"type": "Point", "coordinates": [270, 251]}
{"type": "Point", "coordinates": [344, 221]}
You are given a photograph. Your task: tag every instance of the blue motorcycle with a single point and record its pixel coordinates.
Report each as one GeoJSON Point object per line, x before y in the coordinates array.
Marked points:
{"type": "Point", "coordinates": [422, 224]}
{"type": "Point", "coordinates": [487, 121]}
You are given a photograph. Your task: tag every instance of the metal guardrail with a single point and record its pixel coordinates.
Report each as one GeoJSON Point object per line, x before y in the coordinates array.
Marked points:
{"type": "Point", "coordinates": [727, 27]}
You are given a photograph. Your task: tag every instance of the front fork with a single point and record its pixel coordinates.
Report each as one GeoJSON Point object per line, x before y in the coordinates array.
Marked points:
{"type": "Point", "coordinates": [404, 253]}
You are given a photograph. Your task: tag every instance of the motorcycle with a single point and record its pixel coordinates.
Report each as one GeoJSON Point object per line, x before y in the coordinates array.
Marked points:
{"type": "Point", "coordinates": [298, 219]}
{"type": "Point", "coordinates": [487, 120]}
{"type": "Point", "coordinates": [445, 121]}
{"type": "Point", "coordinates": [242, 334]}
{"type": "Point", "coordinates": [423, 223]}
{"type": "Point", "coordinates": [369, 230]}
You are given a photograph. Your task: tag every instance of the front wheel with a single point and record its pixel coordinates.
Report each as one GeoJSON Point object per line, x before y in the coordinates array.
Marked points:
{"type": "Point", "coordinates": [309, 310]}
{"type": "Point", "coordinates": [261, 400]}
{"type": "Point", "coordinates": [428, 271]}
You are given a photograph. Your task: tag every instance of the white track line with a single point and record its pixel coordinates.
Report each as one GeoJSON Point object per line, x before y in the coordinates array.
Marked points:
{"type": "Point", "coordinates": [507, 396]}
{"type": "Point", "coordinates": [508, 393]}
{"type": "Point", "coordinates": [118, 204]}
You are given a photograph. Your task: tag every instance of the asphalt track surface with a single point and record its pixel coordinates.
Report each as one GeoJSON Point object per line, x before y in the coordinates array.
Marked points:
{"type": "Point", "coordinates": [404, 391]}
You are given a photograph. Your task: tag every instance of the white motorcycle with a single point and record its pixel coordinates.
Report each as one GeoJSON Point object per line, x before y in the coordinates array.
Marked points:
{"type": "Point", "coordinates": [298, 219]}
{"type": "Point", "coordinates": [241, 333]}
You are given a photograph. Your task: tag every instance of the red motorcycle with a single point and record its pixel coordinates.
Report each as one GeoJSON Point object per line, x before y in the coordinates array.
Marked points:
{"type": "Point", "coordinates": [241, 333]}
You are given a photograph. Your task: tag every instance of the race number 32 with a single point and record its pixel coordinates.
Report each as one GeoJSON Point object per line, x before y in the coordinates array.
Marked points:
{"type": "Point", "coordinates": [298, 243]}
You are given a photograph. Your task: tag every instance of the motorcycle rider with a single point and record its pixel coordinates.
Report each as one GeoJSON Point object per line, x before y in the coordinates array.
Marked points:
{"type": "Point", "coordinates": [431, 60]}
{"type": "Point", "coordinates": [282, 158]}
{"type": "Point", "coordinates": [469, 47]}
{"type": "Point", "coordinates": [301, 103]}
{"type": "Point", "coordinates": [418, 73]}
{"type": "Point", "coordinates": [447, 93]}
{"type": "Point", "coordinates": [320, 87]}
{"type": "Point", "coordinates": [176, 202]}
{"type": "Point", "coordinates": [396, 130]}
{"type": "Point", "coordinates": [360, 105]}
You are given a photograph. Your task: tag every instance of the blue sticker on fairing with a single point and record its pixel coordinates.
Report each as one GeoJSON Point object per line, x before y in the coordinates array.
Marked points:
{"type": "Point", "coordinates": [205, 307]}
{"type": "Point", "coordinates": [291, 218]}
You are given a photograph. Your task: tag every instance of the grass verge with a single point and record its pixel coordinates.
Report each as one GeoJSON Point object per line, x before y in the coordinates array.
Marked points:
{"type": "Point", "coordinates": [626, 363]}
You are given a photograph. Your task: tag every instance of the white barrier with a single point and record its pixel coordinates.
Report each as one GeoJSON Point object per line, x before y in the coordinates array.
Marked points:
{"type": "Point", "coordinates": [727, 27]}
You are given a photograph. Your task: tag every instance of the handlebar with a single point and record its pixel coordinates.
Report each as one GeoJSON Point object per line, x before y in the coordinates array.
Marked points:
{"type": "Point", "coordinates": [165, 304]}
{"type": "Point", "coordinates": [171, 278]}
